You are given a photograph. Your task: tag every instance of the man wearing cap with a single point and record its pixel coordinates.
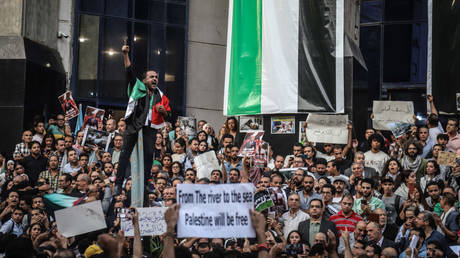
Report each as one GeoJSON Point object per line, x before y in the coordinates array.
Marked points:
{"type": "Point", "coordinates": [341, 184]}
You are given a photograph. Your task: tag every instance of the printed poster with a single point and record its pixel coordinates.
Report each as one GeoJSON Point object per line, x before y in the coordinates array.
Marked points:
{"type": "Point", "coordinates": [68, 105]}
{"type": "Point", "coordinates": [283, 125]}
{"type": "Point", "coordinates": [93, 117]}
{"type": "Point", "coordinates": [251, 123]}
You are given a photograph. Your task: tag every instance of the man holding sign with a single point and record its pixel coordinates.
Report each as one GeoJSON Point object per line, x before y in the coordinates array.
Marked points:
{"type": "Point", "coordinates": [147, 109]}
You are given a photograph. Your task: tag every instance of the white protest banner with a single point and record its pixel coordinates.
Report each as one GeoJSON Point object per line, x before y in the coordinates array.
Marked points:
{"type": "Point", "coordinates": [151, 222]}
{"type": "Point", "coordinates": [386, 112]}
{"type": "Point", "coordinates": [327, 128]}
{"type": "Point", "coordinates": [215, 211]}
{"type": "Point", "coordinates": [205, 163]}
{"type": "Point", "coordinates": [80, 219]}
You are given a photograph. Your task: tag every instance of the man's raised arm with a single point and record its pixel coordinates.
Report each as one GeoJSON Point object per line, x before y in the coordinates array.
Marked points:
{"type": "Point", "coordinates": [125, 51]}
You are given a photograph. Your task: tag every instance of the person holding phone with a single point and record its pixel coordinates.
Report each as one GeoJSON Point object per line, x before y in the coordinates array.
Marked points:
{"type": "Point", "coordinates": [147, 109]}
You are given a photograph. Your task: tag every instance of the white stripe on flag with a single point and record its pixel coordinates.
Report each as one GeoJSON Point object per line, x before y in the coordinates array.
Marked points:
{"type": "Point", "coordinates": [228, 55]}
{"type": "Point", "coordinates": [339, 59]}
{"type": "Point", "coordinates": [280, 39]}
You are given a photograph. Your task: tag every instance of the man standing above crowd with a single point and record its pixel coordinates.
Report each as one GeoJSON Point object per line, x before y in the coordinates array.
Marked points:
{"type": "Point", "coordinates": [147, 109]}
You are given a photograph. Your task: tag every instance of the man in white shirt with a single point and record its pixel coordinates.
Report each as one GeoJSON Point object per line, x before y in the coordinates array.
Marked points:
{"type": "Point", "coordinates": [294, 216]}
{"type": "Point", "coordinates": [375, 158]}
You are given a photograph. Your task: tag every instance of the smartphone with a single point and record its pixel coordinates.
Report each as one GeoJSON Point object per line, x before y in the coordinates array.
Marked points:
{"type": "Point", "coordinates": [52, 228]}
{"type": "Point", "coordinates": [363, 202]}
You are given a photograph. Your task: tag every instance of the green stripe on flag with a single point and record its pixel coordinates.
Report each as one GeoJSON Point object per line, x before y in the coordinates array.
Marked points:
{"type": "Point", "coordinates": [244, 89]}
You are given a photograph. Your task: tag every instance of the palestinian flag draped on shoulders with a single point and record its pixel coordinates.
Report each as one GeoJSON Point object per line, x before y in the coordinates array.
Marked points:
{"type": "Point", "coordinates": [139, 90]}
{"type": "Point", "coordinates": [284, 56]}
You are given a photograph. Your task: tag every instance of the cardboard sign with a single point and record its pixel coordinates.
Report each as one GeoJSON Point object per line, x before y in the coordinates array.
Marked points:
{"type": "Point", "coordinates": [68, 105]}
{"type": "Point", "coordinates": [151, 222]}
{"type": "Point", "coordinates": [446, 158]}
{"type": "Point", "coordinates": [327, 128]}
{"type": "Point", "coordinates": [80, 219]}
{"type": "Point", "coordinates": [205, 163]}
{"type": "Point", "coordinates": [215, 211]}
{"type": "Point", "coordinates": [386, 112]}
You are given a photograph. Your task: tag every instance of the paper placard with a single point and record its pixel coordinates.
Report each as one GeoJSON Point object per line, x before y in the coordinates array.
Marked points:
{"type": "Point", "coordinates": [251, 143]}
{"type": "Point", "coordinates": [262, 201]}
{"type": "Point", "coordinates": [398, 129]}
{"type": "Point", "coordinates": [283, 125]}
{"type": "Point", "coordinates": [392, 111]}
{"type": "Point", "coordinates": [327, 128]}
{"type": "Point", "coordinates": [188, 125]}
{"type": "Point", "coordinates": [151, 222]}
{"type": "Point", "coordinates": [446, 158]}
{"type": "Point", "coordinates": [205, 163]}
{"type": "Point", "coordinates": [93, 117]}
{"type": "Point", "coordinates": [68, 105]}
{"type": "Point", "coordinates": [93, 137]}
{"type": "Point", "coordinates": [251, 123]}
{"type": "Point", "coordinates": [215, 211]}
{"type": "Point", "coordinates": [80, 219]}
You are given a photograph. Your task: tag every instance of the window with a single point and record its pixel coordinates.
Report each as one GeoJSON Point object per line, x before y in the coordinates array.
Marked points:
{"type": "Point", "coordinates": [157, 31]}
{"type": "Point", "coordinates": [394, 45]}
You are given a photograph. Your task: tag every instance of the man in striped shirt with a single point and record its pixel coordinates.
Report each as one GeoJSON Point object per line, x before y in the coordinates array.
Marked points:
{"type": "Point", "coordinates": [346, 217]}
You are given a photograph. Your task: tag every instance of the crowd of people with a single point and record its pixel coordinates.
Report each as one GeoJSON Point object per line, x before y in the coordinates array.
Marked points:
{"type": "Point", "coordinates": [376, 196]}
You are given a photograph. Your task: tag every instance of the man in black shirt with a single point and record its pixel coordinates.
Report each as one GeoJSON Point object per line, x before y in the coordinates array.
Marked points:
{"type": "Point", "coordinates": [147, 109]}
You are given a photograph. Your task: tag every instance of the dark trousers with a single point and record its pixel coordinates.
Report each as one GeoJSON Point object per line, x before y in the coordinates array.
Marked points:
{"type": "Point", "coordinates": [129, 141]}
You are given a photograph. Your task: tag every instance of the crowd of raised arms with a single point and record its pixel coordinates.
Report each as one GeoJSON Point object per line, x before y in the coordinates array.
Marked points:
{"type": "Point", "coordinates": [368, 198]}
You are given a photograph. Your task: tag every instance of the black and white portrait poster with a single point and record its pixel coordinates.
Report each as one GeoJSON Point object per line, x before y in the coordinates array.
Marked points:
{"type": "Point", "coordinates": [188, 125]}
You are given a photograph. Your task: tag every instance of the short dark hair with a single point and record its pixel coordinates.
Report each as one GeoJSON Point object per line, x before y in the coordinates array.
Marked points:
{"type": "Point", "coordinates": [329, 186]}
{"type": "Point", "coordinates": [449, 199]}
{"type": "Point", "coordinates": [321, 161]}
{"type": "Point", "coordinates": [317, 199]}
{"type": "Point", "coordinates": [442, 136]}
{"type": "Point", "coordinates": [453, 119]}
{"type": "Point", "coordinates": [368, 181]}
{"type": "Point", "coordinates": [227, 135]}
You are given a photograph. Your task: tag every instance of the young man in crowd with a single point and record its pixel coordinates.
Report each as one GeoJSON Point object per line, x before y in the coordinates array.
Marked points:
{"type": "Point", "coordinates": [375, 158]}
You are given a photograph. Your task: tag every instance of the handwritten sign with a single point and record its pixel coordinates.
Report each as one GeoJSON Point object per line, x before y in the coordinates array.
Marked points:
{"type": "Point", "coordinates": [151, 222]}
{"type": "Point", "coordinates": [215, 211]}
{"type": "Point", "coordinates": [206, 163]}
{"type": "Point", "coordinates": [327, 128]}
{"type": "Point", "coordinates": [386, 112]}
{"type": "Point", "coordinates": [446, 158]}
{"type": "Point", "coordinates": [80, 219]}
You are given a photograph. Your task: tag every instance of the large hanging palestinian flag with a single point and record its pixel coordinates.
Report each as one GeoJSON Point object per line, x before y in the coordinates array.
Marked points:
{"type": "Point", "coordinates": [281, 57]}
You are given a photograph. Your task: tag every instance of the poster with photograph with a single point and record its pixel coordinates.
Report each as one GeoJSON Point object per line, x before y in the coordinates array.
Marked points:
{"type": "Point", "coordinates": [302, 133]}
{"type": "Point", "coordinates": [283, 125]}
{"type": "Point", "coordinates": [251, 144]}
{"type": "Point", "coordinates": [94, 137]}
{"type": "Point", "coordinates": [260, 159]}
{"type": "Point", "coordinates": [68, 104]}
{"type": "Point", "coordinates": [93, 117]}
{"type": "Point", "coordinates": [188, 125]}
{"type": "Point", "coordinates": [251, 123]}
{"type": "Point", "coordinates": [446, 158]}
{"type": "Point", "coordinates": [398, 129]}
